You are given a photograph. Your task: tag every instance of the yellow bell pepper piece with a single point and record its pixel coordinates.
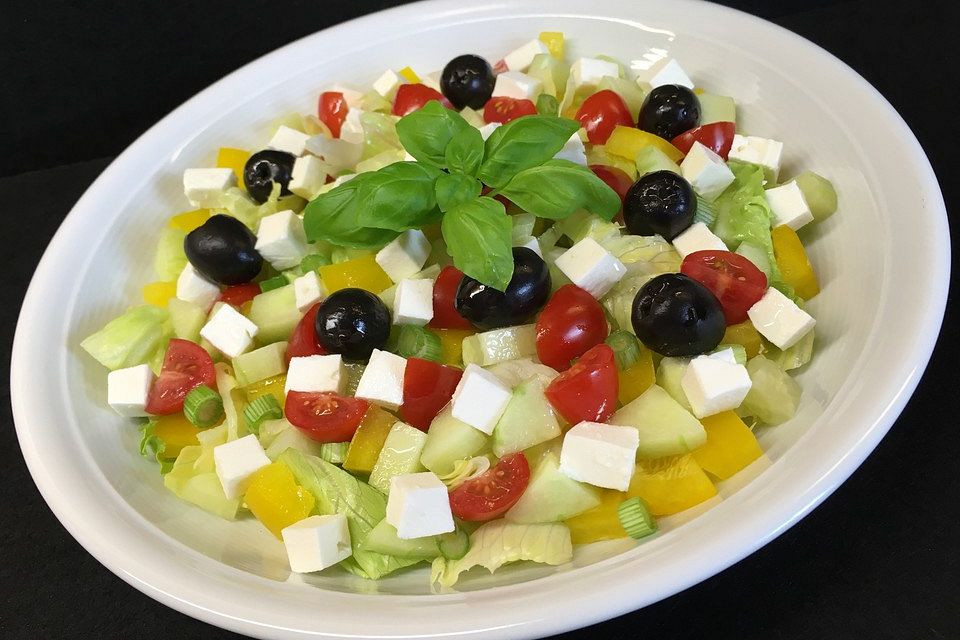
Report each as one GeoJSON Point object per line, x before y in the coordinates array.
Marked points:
{"type": "Point", "coordinates": [451, 345]}
{"type": "Point", "coordinates": [235, 159]}
{"type": "Point", "coordinates": [600, 523]}
{"type": "Point", "coordinates": [275, 498]}
{"type": "Point", "coordinates": [362, 273]}
{"type": "Point", "coordinates": [189, 220]}
{"type": "Point", "coordinates": [176, 432]}
{"type": "Point", "coordinates": [159, 293]}
{"type": "Point", "coordinates": [409, 75]}
{"type": "Point", "coordinates": [792, 260]}
{"type": "Point", "coordinates": [670, 485]}
{"type": "Point", "coordinates": [743, 334]}
{"type": "Point", "coordinates": [637, 378]}
{"type": "Point", "coordinates": [730, 445]}
{"type": "Point", "coordinates": [368, 440]}
{"type": "Point", "coordinates": [554, 41]}
{"type": "Point", "coordinates": [626, 142]}
{"type": "Point", "coordinates": [273, 386]}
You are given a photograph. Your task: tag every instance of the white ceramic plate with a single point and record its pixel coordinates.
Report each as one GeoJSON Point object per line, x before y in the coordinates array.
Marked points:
{"type": "Point", "coordinates": [883, 262]}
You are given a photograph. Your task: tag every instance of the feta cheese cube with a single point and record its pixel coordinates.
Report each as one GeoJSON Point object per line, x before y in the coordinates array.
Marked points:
{"type": "Point", "coordinates": [779, 319]}
{"type": "Point", "coordinates": [405, 255]}
{"type": "Point", "coordinates": [713, 385]}
{"type": "Point", "coordinates": [413, 303]}
{"type": "Point", "coordinates": [479, 399]}
{"type": "Point", "coordinates": [725, 355]}
{"type": "Point", "coordinates": [591, 267]}
{"type": "Point", "coordinates": [336, 153]}
{"type": "Point", "coordinates": [204, 186]}
{"type": "Point", "coordinates": [127, 390]}
{"type": "Point", "coordinates": [352, 128]}
{"type": "Point", "coordinates": [229, 331]}
{"type": "Point", "coordinates": [317, 542]}
{"type": "Point", "coordinates": [352, 97]}
{"type": "Point", "coordinates": [755, 150]}
{"type": "Point", "coordinates": [382, 380]}
{"type": "Point", "coordinates": [488, 129]}
{"type": "Point", "coordinates": [590, 71]}
{"type": "Point", "coordinates": [666, 71]}
{"type": "Point", "coordinates": [788, 205]}
{"type": "Point", "coordinates": [697, 237]}
{"type": "Point", "coordinates": [307, 177]}
{"type": "Point", "coordinates": [432, 80]}
{"type": "Point", "coordinates": [281, 240]}
{"type": "Point", "coordinates": [418, 505]}
{"type": "Point", "coordinates": [521, 57]}
{"type": "Point", "coordinates": [706, 172]}
{"type": "Point", "coordinates": [386, 85]}
{"type": "Point", "coordinates": [603, 455]}
{"type": "Point", "coordinates": [289, 140]}
{"type": "Point", "coordinates": [193, 287]}
{"type": "Point", "coordinates": [514, 84]}
{"type": "Point", "coordinates": [573, 150]}
{"type": "Point", "coordinates": [531, 243]}
{"type": "Point", "coordinates": [308, 291]}
{"type": "Point", "coordinates": [316, 374]}
{"type": "Point", "coordinates": [236, 461]}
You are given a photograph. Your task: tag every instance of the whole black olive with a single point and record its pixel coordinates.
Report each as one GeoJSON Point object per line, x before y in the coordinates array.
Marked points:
{"type": "Point", "coordinates": [529, 288]}
{"type": "Point", "coordinates": [659, 203]}
{"type": "Point", "coordinates": [353, 322]}
{"type": "Point", "coordinates": [675, 315]}
{"type": "Point", "coordinates": [223, 250]}
{"type": "Point", "coordinates": [263, 169]}
{"type": "Point", "coordinates": [467, 81]}
{"type": "Point", "coordinates": [669, 110]}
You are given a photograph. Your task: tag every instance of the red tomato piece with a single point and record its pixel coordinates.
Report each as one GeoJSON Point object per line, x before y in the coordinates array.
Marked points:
{"type": "Point", "coordinates": [186, 365]}
{"type": "Point", "coordinates": [445, 314]}
{"type": "Point", "coordinates": [427, 388]}
{"type": "Point", "coordinates": [303, 340]}
{"type": "Point", "coordinates": [491, 494]}
{"type": "Point", "coordinates": [717, 136]}
{"type": "Point", "coordinates": [325, 416]}
{"type": "Point", "coordinates": [411, 97]}
{"type": "Point", "coordinates": [239, 294]}
{"type": "Point", "coordinates": [601, 113]}
{"type": "Point", "coordinates": [500, 66]}
{"type": "Point", "coordinates": [332, 110]}
{"type": "Point", "coordinates": [616, 179]}
{"type": "Point", "coordinates": [737, 282]}
{"type": "Point", "coordinates": [503, 109]}
{"type": "Point", "coordinates": [571, 323]}
{"type": "Point", "coordinates": [588, 389]}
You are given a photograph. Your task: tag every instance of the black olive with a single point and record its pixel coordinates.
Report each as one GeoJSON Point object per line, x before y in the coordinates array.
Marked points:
{"type": "Point", "coordinates": [263, 169]}
{"type": "Point", "coordinates": [352, 322]}
{"type": "Point", "coordinates": [529, 288]}
{"type": "Point", "coordinates": [467, 81]}
{"type": "Point", "coordinates": [223, 250]}
{"type": "Point", "coordinates": [675, 315]}
{"type": "Point", "coordinates": [669, 111]}
{"type": "Point", "coordinates": [659, 203]}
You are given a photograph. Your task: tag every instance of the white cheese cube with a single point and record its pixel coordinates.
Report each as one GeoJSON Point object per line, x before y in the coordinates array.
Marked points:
{"type": "Point", "coordinates": [591, 267]}
{"type": "Point", "coordinates": [308, 291]}
{"type": "Point", "coordinates": [229, 331]}
{"type": "Point", "coordinates": [352, 128]}
{"type": "Point", "coordinates": [755, 150]}
{"type": "Point", "coordinates": [521, 57]}
{"type": "Point", "coordinates": [127, 390]}
{"type": "Point", "coordinates": [344, 178]}
{"type": "Point", "coordinates": [713, 385]}
{"type": "Point", "coordinates": [514, 84]}
{"type": "Point", "coordinates": [603, 455]}
{"type": "Point", "coordinates": [530, 243]}
{"type": "Point", "coordinates": [788, 205]}
{"type": "Point", "coordinates": [488, 129]}
{"type": "Point", "coordinates": [590, 71]}
{"type": "Point", "coordinates": [193, 287]}
{"type": "Point", "coordinates": [336, 153]}
{"type": "Point", "coordinates": [418, 505]}
{"type": "Point", "coordinates": [317, 542]}
{"type": "Point", "coordinates": [386, 85]}
{"type": "Point", "coordinates": [236, 461]}
{"type": "Point", "coordinates": [382, 379]}
{"type": "Point", "coordinates": [204, 186]}
{"type": "Point", "coordinates": [706, 172]}
{"type": "Point", "coordinates": [308, 176]}
{"type": "Point", "coordinates": [413, 303]}
{"type": "Point", "coordinates": [479, 399]}
{"type": "Point", "coordinates": [666, 71]}
{"type": "Point", "coordinates": [779, 319]}
{"type": "Point", "coordinates": [405, 255]}
{"type": "Point", "coordinates": [352, 97]}
{"type": "Point", "coordinates": [432, 80]}
{"type": "Point", "coordinates": [573, 150]}
{"type": "Point", "coordinates": [289, 140]}
{"type": "Point", "coordinates": [281, 240]}
{"type": "Point", "coordinates": [725, 355]}
{"type": "Point", "coordinates": [697, 237]}
{"type": "Point", "coordinates": [316, 374]}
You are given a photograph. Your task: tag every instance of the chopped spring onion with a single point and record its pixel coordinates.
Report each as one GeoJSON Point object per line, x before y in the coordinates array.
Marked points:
{"type": "Point", "coordinates": [264, 407]}
{"type": "Point", "coordinates": [203, 407]}
{"type": "Point", "coordinates": [626, 348]}
{"type": "Point", "coordinates": [547, 105]}
{"type": "Point", "coordinates": [273, 283]}
{"type": "Point", "coordinates": [705, 213]}
{"type": "Point", "coordinates": [739, 351]}
{"type": "Point", "coordinates": [636, 519]}
{"type": "Point", "coordinates": [334, 452]}
{"type": "Point", "coordinates": [313, 262]}
{"type": "Point", "coordinates": [417, 342]}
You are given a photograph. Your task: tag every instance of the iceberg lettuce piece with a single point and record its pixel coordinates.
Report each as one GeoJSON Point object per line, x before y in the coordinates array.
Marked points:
{"type": "Point", "coordinates": [379, 133]}
{"type": "Point", "coordinates": [130, 339]}
{"type": "Point", "coordinates": [656, 254]}
{"type": "Point", "coordinates": [583, 224]}
{"type": "Point", "coordinates": [743, 214]}
{"type": "Point", "coordinates": [193, 477]}
{"type": "Point", "coordinates": [236, 203]}
{"type": "Point", "coordinates": [234, 402]}
{"type": "Point", "coordinates": [170, 258]}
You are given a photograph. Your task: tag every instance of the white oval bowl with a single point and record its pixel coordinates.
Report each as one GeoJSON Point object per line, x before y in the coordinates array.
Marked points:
{"type": "Point", "coordinates": [883, 261]}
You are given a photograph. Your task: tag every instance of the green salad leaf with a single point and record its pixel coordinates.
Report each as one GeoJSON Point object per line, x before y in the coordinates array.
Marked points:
{"type": "Point", "coordinates": [558, 188]}
{"type": "Point", "coordinates": [333, 217]}
{"type": "Point", "coordinates": [153, 447]}
{"type": "Point", "coordinates": [193, 476]}
{"type": "Point", "coordinates": [170, 258]}
{"type": "Point", "coordinates": [398, 197]}
{"type": "Point", "coordinates": [478, 235]}
{"type": "Point", "coordinates": [547, 105]}
{"type": "Point", "coordinates": [743, 214]}
{"type": "Point", "coordinates": [465, 152]}
{"type": "Point", "coordinates": [426, 132]}
{"type": "Point", "coordinates": [130, 339]}
{"type": "Point", "coordinates": [456, 188]}
{"type": "Point", "coordinates": [521, 144]}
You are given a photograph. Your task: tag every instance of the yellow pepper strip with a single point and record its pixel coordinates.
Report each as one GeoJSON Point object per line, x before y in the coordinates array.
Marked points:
{"type": "Point", "coordinates": [159, 293]}
{"type": "Point", "coordinates": [599, 523]}
{"type": "Point", "coordinates": [743, 334]}
{"type": "Point", "coordinates": [554, 41]}
{"type": "Point", "coordinates": [362, 273]}
{"type": "Point", "coordinates": [176, 432]}
{"type": "Point", "coordinates": [451, 345]}
{"type": "Point", "coordinates": [273, 386]}
{"type": "Point", "coordinates": [670, 485]}
{"type": "Point", "coordinates": [792, 260]}
{"type": "Point", "coordinates": [235, 159]}
{"type": "Point", "coordinates": [368, 440]}
{"type": "Point", "coordinates": [409, 74]}
{"type": "Point", "coordinates": [626, 142]}
{"type": "Point", "coordinates": [275, 498]}
{"type": "Point", "coordinates": [189, 220]}
{"type": "Point", "coordinates": [730, 446]}
{"type": "Point", "coordinates": [637, 378]}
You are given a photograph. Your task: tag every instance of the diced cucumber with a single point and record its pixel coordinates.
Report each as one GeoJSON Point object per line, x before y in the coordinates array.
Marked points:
{"type": "Point", "coordinates": [187, 319]}
{"type": "Point", "coordinates": [523, 224]}
{"type": "Point", "coordinates": [292, 438]}
{"type": "Point", "coordinates": [400, 454]}
{"type": "Point", "coordinates": [794, 357]}
{"type": "Point", "coordinates": [473, 117]}
{"type": "Point", "coordinates": [270, 429]}
{"type": "Point", "coordinates": [650, 159]}
{"type": "Point", "coordinates": [260, 364]}
{"type": "Point", "coordinates": [819, 193]}
{"type": "Point", "coordinates": [513, 372]}
{"type": "Point", "coordinates": [275, 313]}
{"type": "Point", "coordinates": [716, 108]}
{"type": "Point", "coordinates": [528, 420]}
{"type": "Point", "coordinates": [449, 440]}
{"type": "Point", "coordinates": [757, 256]}
{"type": "Point", "coordinates": [631, 93]}
{"type": "Point", "coordinates": [551, 496]}
{"type": "Point", "coordinates": [597, 154]}
{"type": "Point", "coordinates": [383, 539]}
{"type": "Point", "coordinates": [774, 395]}
{"type": "Point", "coordinates": [666, 428]}
{"type": "Point", "coordinates": [500, 345]}
{"type": "Point", "coordinates": [170, 258]}
{"type": "Point", "coordinates": [454, 545]}
{"type": "Point", "coordinates": [669, 373]}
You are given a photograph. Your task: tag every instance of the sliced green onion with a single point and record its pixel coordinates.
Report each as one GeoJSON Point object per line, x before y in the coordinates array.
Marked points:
{"type": "Point", "coordinates": [273, 283]}
{"type": "Point", "coordinates": [334, 452]}
{"type": "Point", "coordinates": [417, 342]}
{"type": "Point", "coordinates": [547, 105]}
{"type": "Point", "coordinates": [203, 407]}
{"type": "Point", "coordinates": [739, 351]}
{"type": "Point", "coordinates": [636, 519]}
{"type": "Point", "coordinates": [626, 348]}
{"type": "Point", "coordinates": [262, 408]}
{"type": "Point", "coordinates": [313, 262]}
{"type": "Point", "coordinates": [705, 213]}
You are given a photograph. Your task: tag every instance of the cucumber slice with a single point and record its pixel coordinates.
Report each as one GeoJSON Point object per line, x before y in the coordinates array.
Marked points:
{"type": "Point", "coordinates": [449, 440]}
{"type": "Point", "coordinates": [400, 454]}
{"type": "Point", "coordinates": [187, 319]}
{"type": "Point", "coordinates": [260, 364]}
{"type": "Point", "coordinates": [527, 421]}
{"type": "Point", "coordinates": [500, 345]}
{"type": "Point", "coordinates": [454, 545]}
{"type": "Point", "coordinates": [819, 193]}
{"type": "Point", "coordinates": [551, 496]}
{"type": "Point", "coordinates": [716, 108]}
{"type": "Point", "coordinates": [383, 539]}
{"type": "Point", "coordinates": [275, 313]}
{"type": "Point", "coordinates": [757, 256]}
{"type": "Point", "coordinates": [666, 428]}
{"type": "Point", "coordinates": [774, 395]}
{"type": "Point", "coordinates": [650, 159]}
{"type": "Point", "coordinates": [669, 374]}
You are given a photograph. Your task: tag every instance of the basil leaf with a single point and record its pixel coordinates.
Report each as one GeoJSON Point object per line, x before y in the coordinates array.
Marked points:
{"type": "Point", "coordinates": [332, 217]}
{"type": "Point", "coordinates": [521, 144]}
{"type": "Point", "coordinates": [454, 189]}
{"type": "Point", "coordinates": [426, 132]}
{"type": "Point", "coordinates": [547, 105]}
{"type": "Point", "coordinates": [465, 151]}
{"type": "Point", "coordinates": [477, 234]}
{"type": "Point", "coordinates": [398, 197]}
{"type": "Point", "coordinates": [558, 188]}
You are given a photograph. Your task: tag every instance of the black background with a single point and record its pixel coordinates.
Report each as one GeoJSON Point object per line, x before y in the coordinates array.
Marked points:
{"type": "Point", "coordinates": [80, 80]}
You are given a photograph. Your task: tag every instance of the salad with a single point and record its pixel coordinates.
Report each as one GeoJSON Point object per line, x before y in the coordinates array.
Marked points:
{"type": "Point", "coordinates": [474, 317]}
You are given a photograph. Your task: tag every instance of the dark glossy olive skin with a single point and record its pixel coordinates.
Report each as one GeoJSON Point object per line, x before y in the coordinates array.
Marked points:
{"type": "Point", "coordinates": [222, 249]}
{"type": "Point", "coordinates": [467, 81]}
{"type": "Point", "coordinates": [263, 169]}
{"type": "Point", "coordinates": [675, 315]}
{"type": "Point", "coordinates": [659, 203]}
{"type": "Point", "coordinates": [353, 322]}
{"type": "Point", "coordinates": [529, 289]}
{"type": "Point", "coordinates": [669, 111]}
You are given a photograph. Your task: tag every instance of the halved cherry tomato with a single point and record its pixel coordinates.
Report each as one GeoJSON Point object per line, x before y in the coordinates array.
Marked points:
{"type": "Point", "coordinates": [303, 340]}
{"type": "Point", "coordinates": [332, 110]}
{"type": "Point", "coordinates": [427, 388]}
{"type": "Point", "coordinates": [186, 365]}
{"type": "Point", "coordinates": [601, 113]}
{"type": "Point", "coordinates": [239, 294]}
{"type": "Point", "coordinates": [737, 282]}
{"type": "Point", "coordinates": [500, 66]}
{"type": "Point", "coordinates": [588, 389]}
{"type": "Point", "coordinates": [571, 323]}
{"type": "Point", "coordinates": [491, 494]}
{"type": "Point", "coordinates": [411, 97]}
{"type": "Point", "coordinates": [445, 315]}
{"type": "Point", "coordinates": [503, 109]}
{"type": "Point", "coordinates": [325, 416]}
{"type": "Point", "coordinates": [616, 179]}
{"type": "Point", "coordinates": [717, 136]}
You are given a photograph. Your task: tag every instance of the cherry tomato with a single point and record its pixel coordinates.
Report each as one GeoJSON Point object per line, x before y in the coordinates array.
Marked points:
{"type": "Point", "coordinates": [332, 110]}
{"type": "Point", "coordinates": [411, 97]}
{"type": "Point", "coordinates": [325, 416]}
{"type": "Point", "coordinates": [491, 494]}
{"type": "Point", "coordinates": [570, 324]}
{"type": "Point", "coordinates": [601, 113]}
{"type": "Point", "coordinates": [445, 315]}
{"type": "Point", "coordinates": [239, 294]}
{"type": "Point", "coordinates": [616, 179]}
{"type": "Point", "coordinates": [736, 282]}
{"type": "Point", "coordinates": [427, 388]}
{"type": "Point", "coordinates": [503, 109]}
{"type": "Point", "coordinates": [717, 136]}
{"type": "Point", "coordinates": [588, 389]}
{"type": "Point", "coordinates": [186, 365]}
{"type": "Point", "coordinates": [303, 340]}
